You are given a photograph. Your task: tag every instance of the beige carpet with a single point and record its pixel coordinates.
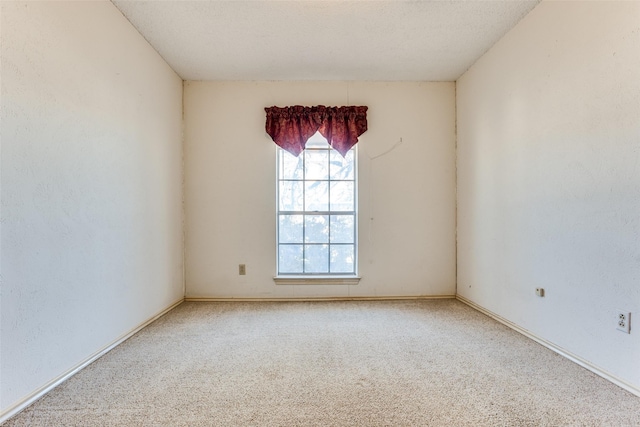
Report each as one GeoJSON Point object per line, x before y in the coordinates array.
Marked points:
{"type": "Point", "coordinates": [383, 363]}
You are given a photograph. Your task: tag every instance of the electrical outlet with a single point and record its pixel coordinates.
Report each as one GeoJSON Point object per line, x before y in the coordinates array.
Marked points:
{"type": "Point", "coordinates": [540, 292]}
{"type": "Point", "coordinates": [624, 321]}
{"type": "Point", "coordinates": [242, 269]}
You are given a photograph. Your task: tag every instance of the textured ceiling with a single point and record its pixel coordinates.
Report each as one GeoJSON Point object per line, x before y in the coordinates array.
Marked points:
{"type": "Point", "coordinates": [322, 40]}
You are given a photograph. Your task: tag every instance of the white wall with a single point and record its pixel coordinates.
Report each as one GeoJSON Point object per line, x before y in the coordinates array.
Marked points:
{"type": "Point", "coordinates": [409, 247]}
{"type": "Point", "coordinates": [91, 187]}
{"type": "Point", "coordinates": [549, 179]}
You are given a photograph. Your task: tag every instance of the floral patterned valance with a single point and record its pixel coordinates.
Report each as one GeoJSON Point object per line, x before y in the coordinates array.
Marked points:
{"type": "Point", "coordinates": [291, 127]}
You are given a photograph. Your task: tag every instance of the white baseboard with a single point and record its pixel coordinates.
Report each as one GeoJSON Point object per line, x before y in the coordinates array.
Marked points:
{"type": "Point", "coordinates": [551, 346]}
{"type": "Point", "coordinates": [37, 394]}
{"type": "Point", "coordinates": [354, 298]}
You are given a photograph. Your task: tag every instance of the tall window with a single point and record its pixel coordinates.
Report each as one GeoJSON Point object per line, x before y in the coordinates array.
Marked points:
{"type": "Point", "coordinates": [317, 211]}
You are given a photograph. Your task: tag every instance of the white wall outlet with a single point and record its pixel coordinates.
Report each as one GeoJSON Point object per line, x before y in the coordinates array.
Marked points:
{"type": "Point", "coordinates": [623, 320]}
{"type": "Point", "coordinates": [540, 292]}
{"type": "Point", "coordinates": [242, 269]}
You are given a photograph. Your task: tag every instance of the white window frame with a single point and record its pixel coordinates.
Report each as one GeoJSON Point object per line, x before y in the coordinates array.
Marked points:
{"type": "Point", "coordinates": [301, 278]}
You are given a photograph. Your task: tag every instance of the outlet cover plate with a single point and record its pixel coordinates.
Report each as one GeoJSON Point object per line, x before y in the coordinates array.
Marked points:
{"type": "Point", "coordinates": [623, 319]}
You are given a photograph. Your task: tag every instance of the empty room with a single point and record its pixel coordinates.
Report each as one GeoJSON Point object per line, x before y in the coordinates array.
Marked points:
{"type": "Point", "coordinates": [319, 213]}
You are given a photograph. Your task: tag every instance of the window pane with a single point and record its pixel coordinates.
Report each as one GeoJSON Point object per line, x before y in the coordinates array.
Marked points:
{"type": "Point", "coordinates": [290, 166]}
{"type": "Point", "coordinates": [316, 259]}
{"type": "Point", "coordinates": [317, 189]}
{"type": "Point", "coordinates": [342, 229]}
{"type": "Point", "coordinates": [316, 229]}
{"type": "Point", "coordinates": [317, 141]}
{"type": "Point", "coordinates": [290, 229]}
{"type": "Point", "coordinates": [316, 164]}
{"type": "Point", "coordinates": [341, 167]}
{"type": "Point", "coordinates": [342, 259]}
{"type": "Point", "coordinates": [316, 196]}
{"type": "Point", "coordinates": [291, 195]}
{"type": "Point", "coordinates": [342, 196]}
{"type": "Point", "coordinates": [290, 258]}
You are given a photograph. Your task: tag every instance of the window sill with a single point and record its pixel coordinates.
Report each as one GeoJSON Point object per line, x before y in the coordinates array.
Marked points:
{"type": "Point", "coordinates": [316, 280]}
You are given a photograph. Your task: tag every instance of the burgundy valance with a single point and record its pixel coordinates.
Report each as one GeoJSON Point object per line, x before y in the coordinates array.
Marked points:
{"type": "Point", "coordinates": [291, 127]}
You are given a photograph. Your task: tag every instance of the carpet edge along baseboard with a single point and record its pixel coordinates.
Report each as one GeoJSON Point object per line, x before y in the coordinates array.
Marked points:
{"type": "Point", "coordinates": [555, 348]}
{"type": "Point", "coordinates": [285, 299]}
{"type": "Point", "coordinates": [20, 405]}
